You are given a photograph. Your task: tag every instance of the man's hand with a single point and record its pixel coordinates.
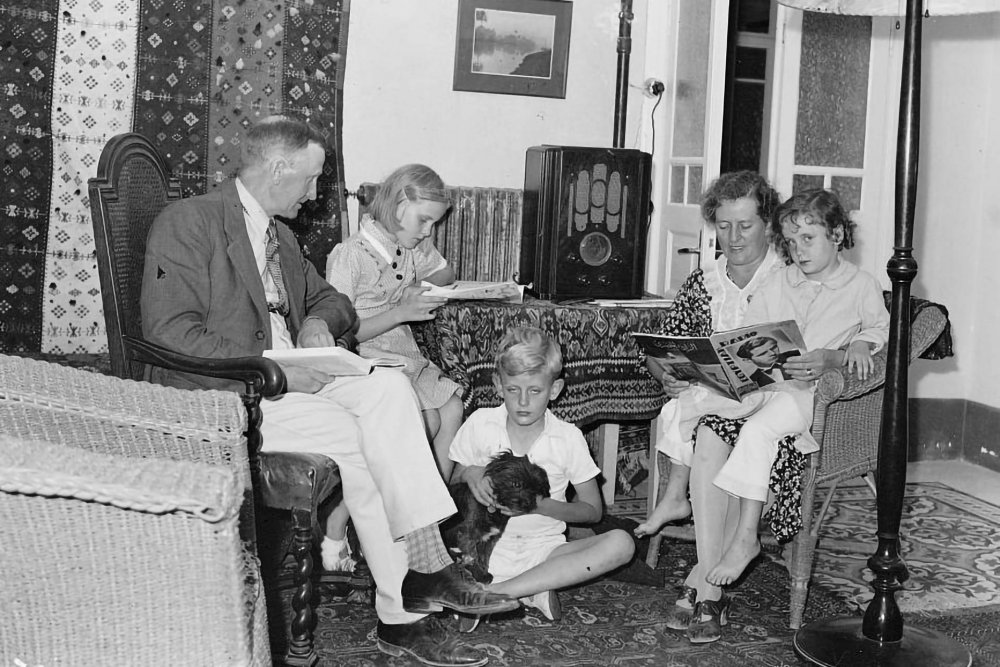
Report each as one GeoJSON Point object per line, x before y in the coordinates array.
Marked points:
{"type": "Point", "coordinates": [810, 366]}
{"type": "Point", "coordinates": [859, 359]}
{"type": "Point", "coordinates": [303, 379]}
{"type": "Point", "coordinates": [660, 370]}
{"type": "Point", "coordinates": [315, 333]}
{"type": "Point", "coordinates": [415, 307]}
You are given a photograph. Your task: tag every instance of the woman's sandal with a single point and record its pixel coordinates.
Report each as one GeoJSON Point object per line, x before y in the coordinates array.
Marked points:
{"type": "Point", "coordinates": [679, 616]}
{"type": "Point", "coordinates": [707, 620]}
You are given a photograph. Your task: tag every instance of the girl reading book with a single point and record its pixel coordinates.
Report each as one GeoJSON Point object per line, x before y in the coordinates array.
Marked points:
{"type": "Point", "coordinates": [380, 269]}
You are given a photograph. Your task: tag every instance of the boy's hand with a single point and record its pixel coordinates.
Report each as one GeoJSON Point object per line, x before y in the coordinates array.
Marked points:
{"type": "Point", "coordinates": [413, 306]}
{"type": "Point", "coordinates": [304, 379]}
{"type": "Point", "coordinates": [481, 486]}
{"type": "Point", "coordinates": [859, 359]}
{"type": "Point", "coordinates": [509, 512]}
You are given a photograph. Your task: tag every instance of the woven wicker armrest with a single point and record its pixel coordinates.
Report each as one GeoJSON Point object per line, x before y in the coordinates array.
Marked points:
{"type": "Point", "coordinates": [211, 493]}
{"type": "Point", "coordinates": [58, 387]}
{"type": "Point", "coordinates": [839, 384]}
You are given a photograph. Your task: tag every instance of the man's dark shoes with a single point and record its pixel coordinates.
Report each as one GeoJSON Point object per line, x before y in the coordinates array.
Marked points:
{"type": "Point", "coordinates": [451, 588]}
{"type": "Point", "coordinates": [428, 641]}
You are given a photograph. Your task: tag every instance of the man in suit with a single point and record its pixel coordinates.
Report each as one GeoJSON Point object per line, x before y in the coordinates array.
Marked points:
{"type": "Point", "coordinates": [224, 279]}
{"type": "Point", "coordinates": [763, 352]}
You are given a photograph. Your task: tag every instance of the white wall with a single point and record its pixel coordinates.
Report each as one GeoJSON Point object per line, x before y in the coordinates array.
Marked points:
{"type": "Point", "coordinates": [399, 105]}
{"type": "Point", "coordinates": [957, 227]}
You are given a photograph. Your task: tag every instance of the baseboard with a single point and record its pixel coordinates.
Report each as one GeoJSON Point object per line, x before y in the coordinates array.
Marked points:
{"type": "Point", "coordinates": [954, 428]}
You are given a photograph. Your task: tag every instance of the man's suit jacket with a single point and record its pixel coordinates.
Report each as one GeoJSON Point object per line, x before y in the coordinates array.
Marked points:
{"type": "Point", "coordinates": [202, 294]}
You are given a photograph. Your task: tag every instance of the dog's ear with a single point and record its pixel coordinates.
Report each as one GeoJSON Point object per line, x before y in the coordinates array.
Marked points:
{"type": "Point", "coordinates": [540, 479]}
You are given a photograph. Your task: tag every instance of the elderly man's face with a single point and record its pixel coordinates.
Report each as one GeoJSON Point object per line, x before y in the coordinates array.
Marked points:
{"type": "Point", "coordinates": [301, 171]}
{"type": "Point", "coordinates": [742, 233]}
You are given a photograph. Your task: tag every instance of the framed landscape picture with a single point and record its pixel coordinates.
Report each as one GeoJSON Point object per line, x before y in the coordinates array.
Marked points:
{"type": "Point", "coordinates": [514, 47]}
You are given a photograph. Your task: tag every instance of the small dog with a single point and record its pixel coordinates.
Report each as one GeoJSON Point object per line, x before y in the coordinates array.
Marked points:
{"type": "Point", "coordinates": [473, 532]}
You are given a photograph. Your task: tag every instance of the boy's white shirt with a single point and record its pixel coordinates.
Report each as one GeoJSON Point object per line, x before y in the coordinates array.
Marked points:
{"type": "Point", "coordinates": [561, 450]}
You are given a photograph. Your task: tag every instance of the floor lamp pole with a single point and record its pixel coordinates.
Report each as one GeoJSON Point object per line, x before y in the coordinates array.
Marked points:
{"type": "Point", "coordinates": [880, 638]}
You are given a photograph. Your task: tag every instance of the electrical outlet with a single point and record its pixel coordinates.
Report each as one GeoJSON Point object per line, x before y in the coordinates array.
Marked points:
{"type": "Point", "coordinates": [653, 87]}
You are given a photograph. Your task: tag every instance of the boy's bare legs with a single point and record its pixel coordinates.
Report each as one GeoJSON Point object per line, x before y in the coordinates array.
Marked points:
{"type": "Point", "coordinates": [673, 505]}
{"type": "Point", "coordinates": [744, 547]}
{"type": "Point", "coordinates": [714, 511]}
{"type": "Point", "coordinates": [571, 563]}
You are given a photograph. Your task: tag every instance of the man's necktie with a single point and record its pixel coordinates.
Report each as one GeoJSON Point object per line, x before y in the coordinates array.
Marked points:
{"type": "Point", "coordinates": [274, 268]}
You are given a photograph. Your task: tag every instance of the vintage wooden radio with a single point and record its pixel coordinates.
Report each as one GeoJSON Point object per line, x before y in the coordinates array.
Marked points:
{"type": "Point", "coordinates": [585, 222]}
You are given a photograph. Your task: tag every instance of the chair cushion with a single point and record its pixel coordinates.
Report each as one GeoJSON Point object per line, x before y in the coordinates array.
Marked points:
{"type": "Point", "coordinates": [291, 480]}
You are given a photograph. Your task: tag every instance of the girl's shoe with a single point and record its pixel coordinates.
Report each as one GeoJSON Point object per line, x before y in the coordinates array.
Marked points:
{"type": "Point", "coordinates": [679, 616]}
{"type": "Point", "coordinates": [707, 620]}
{"type": "Point", "coordinates": [336, 555]}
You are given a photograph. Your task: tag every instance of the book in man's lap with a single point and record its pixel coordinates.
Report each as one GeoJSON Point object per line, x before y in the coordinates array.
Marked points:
{"type": "Point", "coordinates": [332, 360]}
{"type": "Point", "coordinates": [735, 362]}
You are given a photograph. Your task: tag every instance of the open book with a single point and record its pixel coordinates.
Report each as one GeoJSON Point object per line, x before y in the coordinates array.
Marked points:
{"type": "Point", "coordinates": [332, 360]}
{"type": "Point", "coordinates": [477, 289]}
{"type": "Point", "coordinates": [733, 363]}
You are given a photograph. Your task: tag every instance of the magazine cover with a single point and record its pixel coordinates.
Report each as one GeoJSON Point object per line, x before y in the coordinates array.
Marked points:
{"type": "Point", "coordinates": [733, 363]}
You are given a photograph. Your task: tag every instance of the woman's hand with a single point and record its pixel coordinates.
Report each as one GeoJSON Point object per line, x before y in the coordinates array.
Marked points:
{"type": "Point", "coordinates": [415, 307]}
{"type": "Point", "coordinates": [810, 366]}
{"type": "Point", "coordinates": [859, 359]}
{"type": "Point", "coordinates": [660, 370]}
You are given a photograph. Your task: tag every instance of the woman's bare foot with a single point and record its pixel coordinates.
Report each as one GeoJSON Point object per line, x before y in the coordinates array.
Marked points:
{"type": "Point", "coordinates": [739, 554]}
{"type": "Point", "coordinates": [667, 510]}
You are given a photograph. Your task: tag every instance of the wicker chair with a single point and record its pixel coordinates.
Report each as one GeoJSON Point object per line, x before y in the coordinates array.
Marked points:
{"type": "Point", "coordinates": [847, 415]}
{"type": "Point", "coordinates": [132, 186]}
{"type": "Point", "coordinates": [112, 556]}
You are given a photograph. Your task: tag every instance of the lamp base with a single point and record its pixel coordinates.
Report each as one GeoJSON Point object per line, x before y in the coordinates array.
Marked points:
{"type": "Point", "coordinates": [839, 641]}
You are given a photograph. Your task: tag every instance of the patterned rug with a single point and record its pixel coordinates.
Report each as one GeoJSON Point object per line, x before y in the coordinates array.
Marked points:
{"type": "Point", "coordinates": [950, 547]}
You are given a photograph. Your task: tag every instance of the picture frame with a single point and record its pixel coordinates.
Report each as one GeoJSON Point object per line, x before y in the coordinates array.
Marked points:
{"type": "Point", "coordinates": [513, 47]}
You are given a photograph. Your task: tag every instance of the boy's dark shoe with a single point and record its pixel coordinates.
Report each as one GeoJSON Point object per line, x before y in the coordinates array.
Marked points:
{"type": "Point", "coordinates": [451, 588]}
{"type": "Point", "coordinates": [428, 641]}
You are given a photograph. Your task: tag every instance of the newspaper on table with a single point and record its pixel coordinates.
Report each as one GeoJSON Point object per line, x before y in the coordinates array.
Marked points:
{"type": "Point", "coordinates": [733, 363]}
{"type": "Point", "coordinates": [477, 289]}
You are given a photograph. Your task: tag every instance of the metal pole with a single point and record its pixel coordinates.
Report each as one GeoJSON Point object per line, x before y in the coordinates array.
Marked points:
{"type": "Point", "coordinates": [625, 17]}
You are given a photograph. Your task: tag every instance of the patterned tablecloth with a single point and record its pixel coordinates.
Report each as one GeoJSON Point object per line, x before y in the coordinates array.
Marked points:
{"type": "Point", "coordinates": [605, 379]}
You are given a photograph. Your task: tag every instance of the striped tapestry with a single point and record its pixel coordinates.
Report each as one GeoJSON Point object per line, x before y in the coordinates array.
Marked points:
{"type": "Point", "coordinates": [191, 75]}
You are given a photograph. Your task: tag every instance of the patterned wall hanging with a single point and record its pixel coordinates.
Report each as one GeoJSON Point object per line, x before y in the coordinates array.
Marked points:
{"type": "Point", "coordinates": [192, 75]}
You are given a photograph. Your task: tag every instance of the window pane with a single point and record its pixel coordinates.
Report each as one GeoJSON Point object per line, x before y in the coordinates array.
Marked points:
{"type": "Point", "coordinates": [692, 78]}
{"type": "Point", "coordinates": [848, 188]}
{"type": "Point", "coordinates": [833, 90]}
{"type": "Point", "coordinates": [802, 182]}
{"type": "Point", "coordinates": [694, 185]}
{"type": "Point", "coordinates": [751, 63]}
{"type": "Point", "coordinates": [677, 184]}
{"type": "Point", "coordinates": [746, 127]}
{"type": "Point", "coordinates": [753, 16]}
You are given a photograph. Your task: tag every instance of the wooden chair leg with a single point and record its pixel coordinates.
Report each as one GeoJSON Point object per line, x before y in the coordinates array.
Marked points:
{"type": "Point", "coordinates": [301, 652]}
{"type": "Point", "coordinates": [653, 492]}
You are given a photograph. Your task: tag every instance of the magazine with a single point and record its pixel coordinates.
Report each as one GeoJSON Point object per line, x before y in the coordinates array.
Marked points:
{"type": "Point", "coordinates": [477, 289]}
{"type": "Point", "coordinates": [332, 360]}
{"type": "Point", "coordinates": [733, 363]}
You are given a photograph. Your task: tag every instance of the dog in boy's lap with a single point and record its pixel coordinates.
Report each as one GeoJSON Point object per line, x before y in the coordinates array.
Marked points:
{"type": "Point", "coordinates": [472, 533]}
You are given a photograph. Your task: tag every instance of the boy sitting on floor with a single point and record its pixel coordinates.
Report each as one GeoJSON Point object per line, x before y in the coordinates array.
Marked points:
{"type": "Point", "coordinates": [532, 559]}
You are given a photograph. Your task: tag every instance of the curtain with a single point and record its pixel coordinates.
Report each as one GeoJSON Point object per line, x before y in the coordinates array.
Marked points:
{"type": "Point", "coordinates": [192, 75]}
